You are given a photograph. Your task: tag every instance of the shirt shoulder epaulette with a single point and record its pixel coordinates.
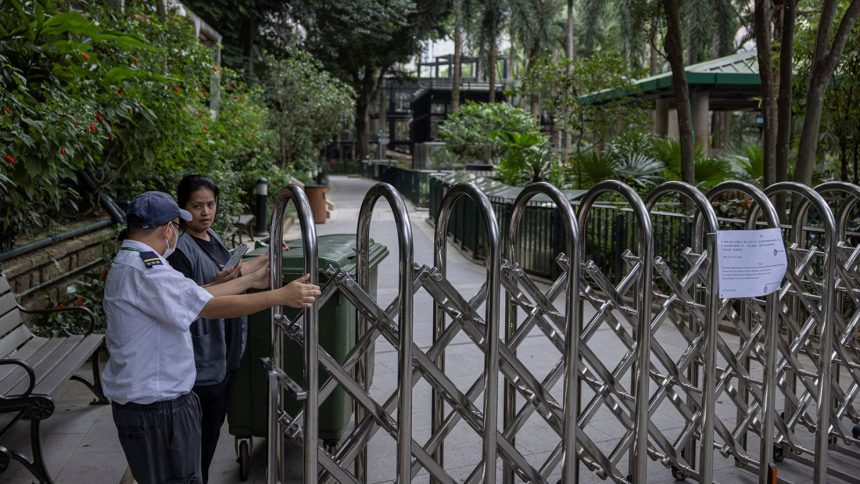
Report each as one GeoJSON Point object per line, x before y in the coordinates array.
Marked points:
{"type": "Point", "coordinates": [150, 259]}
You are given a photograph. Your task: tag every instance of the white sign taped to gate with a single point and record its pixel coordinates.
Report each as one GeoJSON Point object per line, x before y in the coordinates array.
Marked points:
{"type": "Point", "coordinates": [751, 263]}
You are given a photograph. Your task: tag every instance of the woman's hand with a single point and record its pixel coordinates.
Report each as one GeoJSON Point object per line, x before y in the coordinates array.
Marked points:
{"type": "Point", "coordinates": [256, 263]}
{"type": "Point", "coordinates": [227, 274]}
{"type": "Point", "coordinates": [260, 278]}
{"type": "Point", "coordinates": [262, 260]}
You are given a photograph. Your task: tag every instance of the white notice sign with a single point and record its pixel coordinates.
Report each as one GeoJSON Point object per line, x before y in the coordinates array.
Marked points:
{"type": "Point", "coordinates": [751, 262]}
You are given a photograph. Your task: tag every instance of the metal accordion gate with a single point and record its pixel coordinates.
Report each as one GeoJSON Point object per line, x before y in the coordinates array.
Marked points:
{"type": "Point", "coordinates": [756, 380]}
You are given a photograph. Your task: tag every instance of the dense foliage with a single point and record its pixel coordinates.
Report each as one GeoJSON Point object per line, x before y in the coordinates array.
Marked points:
{"type": "Point", "coordinates": [125, 97]}
{"type": "Point", "coordinates": [575, 94]}
{"type": "Point", "coordinates": [309, 107]}
{"type": "Point", "coordinates": [360, 40]}
{"type": "Point", "coordinates": [474, 131]}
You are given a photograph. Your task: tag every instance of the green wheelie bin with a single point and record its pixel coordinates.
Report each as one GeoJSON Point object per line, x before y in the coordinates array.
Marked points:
{"type": "Point", "coordinates": [247, 413]}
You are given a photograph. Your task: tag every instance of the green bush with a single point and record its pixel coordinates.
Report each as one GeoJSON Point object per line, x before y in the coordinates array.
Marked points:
{"type": "Point", "coordinates": [124, 96]}
{"type": "Point", "coordinates": [478, 130]}
{"type": "Point", "coordinates": [527, 158]}
{"type": "Point", "coordinates": [309, 106]}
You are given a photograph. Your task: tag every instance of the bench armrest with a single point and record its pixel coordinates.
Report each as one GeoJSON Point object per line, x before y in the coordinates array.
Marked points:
{"type": "Point", "coordinates": [30, 373]}
{"type": "Point", "coordinates": [90, 315]}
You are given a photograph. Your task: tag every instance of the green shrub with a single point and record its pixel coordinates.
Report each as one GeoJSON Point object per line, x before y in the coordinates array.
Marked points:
{"type": "Point", "coordinates": [124, 96]}
{"type": "Point", "coordinates": [477, 130]}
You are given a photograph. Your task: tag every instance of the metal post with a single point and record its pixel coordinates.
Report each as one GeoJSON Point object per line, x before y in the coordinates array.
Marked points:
{"type": "Point", "coordinates": [641, 378]}
{"type": "Point", "coordinates": [491, 318]}
{"type": "Point", "coordinates": [570, 234]}
{"type": "Point", "coordinates": [262, 193]}
{"type": "Point", "coordinates": [404, 356]}
{"type": "Point", "coordinates": [809, 197]}
{"type": "Point", "coordinates": [311, 335]}
{"type": "Point", "coordinates": [763, 206]}
{"type": "Point", "coordinates": [707, 241]}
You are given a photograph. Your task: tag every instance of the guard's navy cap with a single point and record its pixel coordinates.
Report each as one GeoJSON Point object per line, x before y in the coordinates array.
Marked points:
{"type": "Point", "coordinates": [153, 209]}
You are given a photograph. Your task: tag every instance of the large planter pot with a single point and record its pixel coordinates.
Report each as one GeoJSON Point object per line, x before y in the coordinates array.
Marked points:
{"type": "Point", "coordinates": [316, 199]}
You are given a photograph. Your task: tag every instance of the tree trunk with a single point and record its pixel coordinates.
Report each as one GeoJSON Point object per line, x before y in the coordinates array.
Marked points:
{"type": "Point", "coordinates": [763, 46]}
{"type": "Point", "coordinates": [367, 82]}
{"type": "Point", "coordinates": [512, 55]}
{"type": "Point", "coordinates": [250, 34]}
{"type": "Point", "coordinates": [458, 51]}
{"type": "Point", "coordinates": [675, 53]}
{"type": "Point", "coordinates": [856, 178]}
{"type": "Point", "coordinates": [160, 9]}
{"type": "Point", "coordinates": [569, 37]}
{"type": "Point", "coordinates": [653, 57]}
{"type": "Point", "coordinates": [491, 67]}
{"type": "Point", "coordinates": [786, 81]}
{"type": "Point", "coordinates": [568, 138]}
{"type": "Point", "coordinates": [824, 59]}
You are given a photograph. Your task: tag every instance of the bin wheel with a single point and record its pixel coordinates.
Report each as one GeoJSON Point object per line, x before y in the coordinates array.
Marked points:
{"type": "Point", "coordinates": [855, 432]}
{"type": "Point", "coordinates": [679, 474]}
{"type": "Point", "coordinates": [244, 459]}
{"type": "Point", "coordinates": [778, 453]}
{"type": "Point", "coordinates": [331, 445]}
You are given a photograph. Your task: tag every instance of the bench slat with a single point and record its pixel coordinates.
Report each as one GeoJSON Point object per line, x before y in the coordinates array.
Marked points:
{"type": "Point", "coordinates": [78, 353]}
{"type": "Point", "coordinates": [33, 353]}
{"type": "Point", "coordinates": [4, 284]}
{"type": "Point", "coordinates": [53, 360]}
{"type": "Point", "coordinates": [14, 340]}
{"type": "Point", "coordinates": [9, 314]}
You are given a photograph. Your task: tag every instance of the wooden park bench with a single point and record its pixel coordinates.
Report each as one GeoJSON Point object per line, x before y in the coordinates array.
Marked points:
{"type": "Point", "coordinates": [33, 368]}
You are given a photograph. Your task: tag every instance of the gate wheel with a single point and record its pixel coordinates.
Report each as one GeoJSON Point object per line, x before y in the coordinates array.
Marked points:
{"type": "Point", "coordinates": [331, 445]}
{"type": "Point", "coordinates": [679, 474]}
{"type": "Point", "coordinates": [778, 453]}
{"type": "Point", "coordinates": [244, 459]}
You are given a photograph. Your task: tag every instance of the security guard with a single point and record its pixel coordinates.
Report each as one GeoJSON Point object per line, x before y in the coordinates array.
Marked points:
{"type": "Point", "coordinates": [149, 307]}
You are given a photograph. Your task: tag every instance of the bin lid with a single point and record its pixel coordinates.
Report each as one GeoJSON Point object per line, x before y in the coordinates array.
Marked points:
{"type": "Point", "coordinates": [334, 249]}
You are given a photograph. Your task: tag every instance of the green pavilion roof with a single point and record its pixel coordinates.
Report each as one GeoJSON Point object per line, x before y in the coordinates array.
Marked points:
{"type": "Point", "coordinates": [733, 80]}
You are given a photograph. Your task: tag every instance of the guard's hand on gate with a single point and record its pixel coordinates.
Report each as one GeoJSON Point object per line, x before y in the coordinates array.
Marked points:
{"type": "Point", "coordinates": [299, 293]}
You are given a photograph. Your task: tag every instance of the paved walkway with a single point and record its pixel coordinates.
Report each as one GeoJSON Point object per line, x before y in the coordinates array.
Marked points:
{"type": "Point", "coordinates": [81, 444]}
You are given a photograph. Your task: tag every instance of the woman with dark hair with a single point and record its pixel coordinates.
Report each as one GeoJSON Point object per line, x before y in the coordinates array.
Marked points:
{"type": "Point", "coordinates": [218, 343]}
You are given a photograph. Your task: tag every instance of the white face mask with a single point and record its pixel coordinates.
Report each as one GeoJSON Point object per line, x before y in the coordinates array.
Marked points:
{"type": "Point", "coordinates": [170, 249]}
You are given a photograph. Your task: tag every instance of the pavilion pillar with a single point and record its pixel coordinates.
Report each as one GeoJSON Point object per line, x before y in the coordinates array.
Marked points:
{"type": "Point", "coordinates": [661, 113]}
{"type": "Point", "coordinates": [702, 120]}
{"type": "Point", "coordinates": [726, 127]}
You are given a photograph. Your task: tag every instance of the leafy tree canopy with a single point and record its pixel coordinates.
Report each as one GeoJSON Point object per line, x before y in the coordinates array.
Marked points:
{"type": "Point", "coordinates": [352, 36]}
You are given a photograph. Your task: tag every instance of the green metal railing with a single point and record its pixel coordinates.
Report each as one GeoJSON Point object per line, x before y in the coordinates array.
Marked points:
{"type": "Point", "coordinates": [412, 184]}
{"type": "Point", "coordinates": [540, 240]}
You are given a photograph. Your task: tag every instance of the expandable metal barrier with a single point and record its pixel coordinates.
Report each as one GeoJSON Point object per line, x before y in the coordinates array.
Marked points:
{"type": "Point", "coordinates": [798, 343]}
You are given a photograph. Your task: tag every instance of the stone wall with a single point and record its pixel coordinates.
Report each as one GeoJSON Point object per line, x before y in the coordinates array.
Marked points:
{"type": "Point", "coordinates": [43, 276]}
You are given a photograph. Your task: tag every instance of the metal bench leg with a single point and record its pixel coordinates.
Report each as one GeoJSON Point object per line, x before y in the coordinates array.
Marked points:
{"type": "Point", "coordinates": [6, 456]}
{"type": "Point", "coordinates": [38, 409]}
{"type": "Point", "coordinates": [38, 468]}
{"type": "Point", "coordinates": [96, 385]}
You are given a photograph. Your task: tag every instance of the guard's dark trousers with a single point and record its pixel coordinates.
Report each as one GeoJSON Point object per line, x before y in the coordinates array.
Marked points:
{"type": "Point", "coordinates": [161, 440]}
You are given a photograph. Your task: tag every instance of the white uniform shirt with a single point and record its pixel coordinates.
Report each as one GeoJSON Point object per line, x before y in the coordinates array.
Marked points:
{"type": "Point", "coordinates": [148, 312]}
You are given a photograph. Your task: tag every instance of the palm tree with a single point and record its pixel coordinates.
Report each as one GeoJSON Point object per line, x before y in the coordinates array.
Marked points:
{"type": "Point", "coordinates": [488, 27]}
{"type": "Point", "coordinates": [532, 23]}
